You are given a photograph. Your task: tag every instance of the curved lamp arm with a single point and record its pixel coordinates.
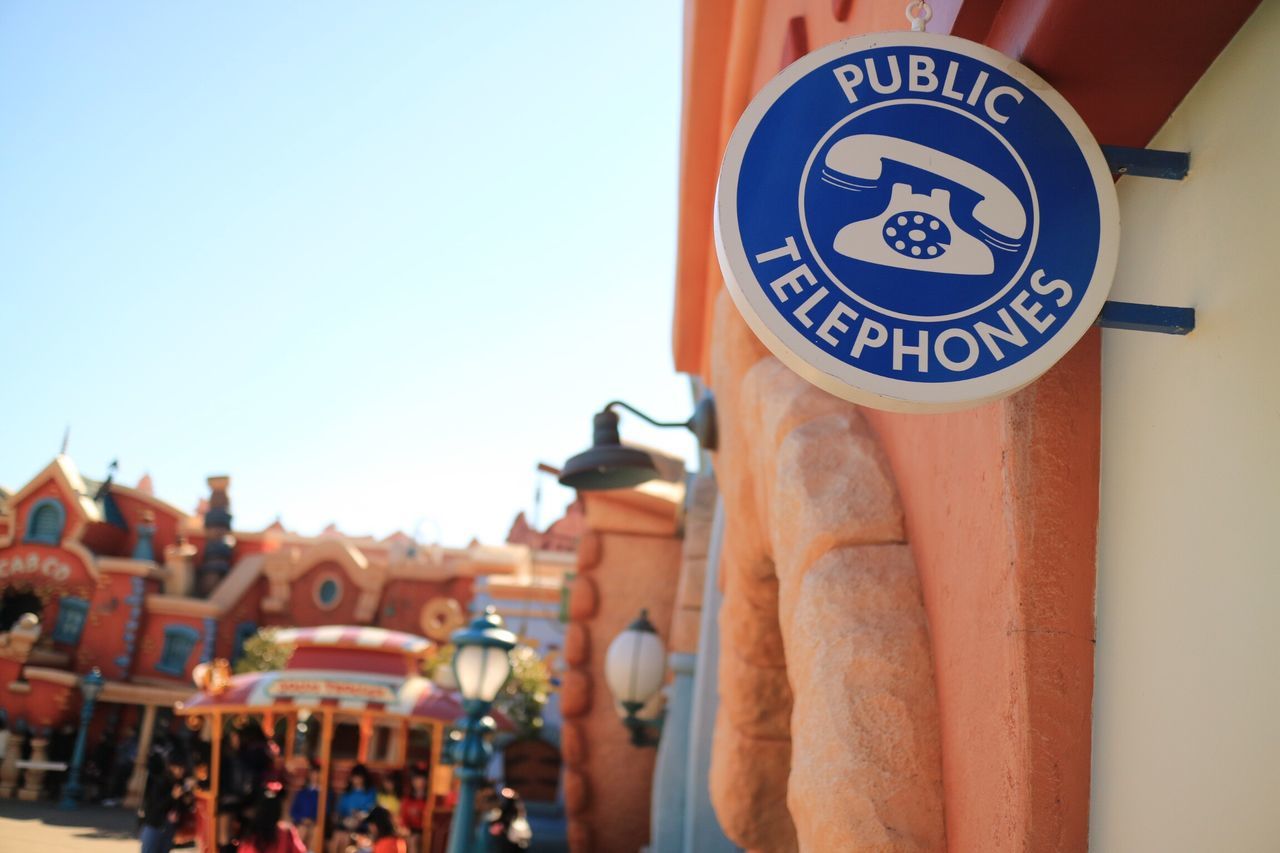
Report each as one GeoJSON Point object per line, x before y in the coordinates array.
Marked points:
{"type": "Point", "coordinates": [633, 410]}
{"type": "Point", "coordinates": [702, 424]}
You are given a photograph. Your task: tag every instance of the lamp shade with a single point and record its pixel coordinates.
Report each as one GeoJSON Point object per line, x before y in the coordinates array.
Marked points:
{"type": "Point", "coordinates": [635, 663]}
{"type": "Point", "coordinates": [481, 671]}
{"type": "Point", "coordinates": [482, 661]}
{"type": "Point", "coordinates": [608, 463]}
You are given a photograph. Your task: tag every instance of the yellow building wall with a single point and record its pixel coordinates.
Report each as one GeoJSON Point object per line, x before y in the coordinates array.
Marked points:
{"type": "Point", "coordinates": [1186, 752]}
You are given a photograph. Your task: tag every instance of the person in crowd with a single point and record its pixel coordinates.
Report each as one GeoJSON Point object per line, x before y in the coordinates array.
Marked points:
{"type": "Point", "coordinates": [276, 770]}
{"type": "Point", "coordinates": [235, 785]}
{"type": "Point", "coordinates": [389, 794]}
{"type": "Point", "coordinates": [507, 825]}
{"type": "Point", "coordinates": [381, 829]}
{"type": "Point", "coordinates": [168, 797]}
{"type": "Point", "coordinates": [414, 809]}
{"type": "Point", "coordinates": [122, 768]}
{"type": "Point", "coordinates": [256, 755]}
{"type": "Point", "coordinates": [361, 840]}
{"type": "Point", "coordinates": [60, 748]}
{"type": "Point", "coordinates": [263, 831]}
{"type": "Point", "coordinates": [306, 805]}
{"type": "Point", "coordinates": [356, 802]}
{"type": "Point", "coordinates": [98, 768]}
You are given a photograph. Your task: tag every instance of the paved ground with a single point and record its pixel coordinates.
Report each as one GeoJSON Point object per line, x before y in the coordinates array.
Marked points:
{"type": "Point", "coordinates": [42, 828]}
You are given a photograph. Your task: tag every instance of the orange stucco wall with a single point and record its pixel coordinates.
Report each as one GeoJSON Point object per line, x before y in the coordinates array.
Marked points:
{"type": "Point", "coordinates": [151, 647]}
{"type": "Point", "coordinates": [51, 705]}
{"type": "Point", "coordinates": [109, 615]}
{"type": "Point", "coordinates": [247, 609]}
{"type": "Point", "coordinates": [303, 609]}
{"type": "Point", "coordinates": [400, 608]}
{"type": "Point", "coordinates": [135, 511]}
{"type": "Point", "coordinates": [629, 560]}
{"type": "Point", "coordinates": [1000, 502]}
{"type": "Point", "coordinates": [1001, 507]}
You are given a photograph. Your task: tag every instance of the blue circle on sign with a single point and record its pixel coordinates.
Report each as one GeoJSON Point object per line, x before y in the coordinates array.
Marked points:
{"type": "Point", "coordinates": [919, 214]}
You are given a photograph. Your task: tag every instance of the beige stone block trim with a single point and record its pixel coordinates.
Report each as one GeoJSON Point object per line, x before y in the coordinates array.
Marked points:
{"type": "Point", "coordinates": [827, 734]}
{"type": "Point", "coordinates": [127, 566]}
{"type": "Point", "coordinates": [52, 676]}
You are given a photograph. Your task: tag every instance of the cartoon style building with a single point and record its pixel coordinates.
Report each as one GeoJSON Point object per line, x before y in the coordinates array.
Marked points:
{"type": "Point", "coordinates": [96, 574]}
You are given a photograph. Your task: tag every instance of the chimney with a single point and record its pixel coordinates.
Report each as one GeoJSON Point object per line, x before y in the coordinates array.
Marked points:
{"type": "Point", "coordinates": [219, 544]}
{"type": "Point", "coordinates": [179, 559]}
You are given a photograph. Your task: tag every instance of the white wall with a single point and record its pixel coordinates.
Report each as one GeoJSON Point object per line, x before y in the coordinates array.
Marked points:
{"type": "Point", "coordinates": [1187, 693]}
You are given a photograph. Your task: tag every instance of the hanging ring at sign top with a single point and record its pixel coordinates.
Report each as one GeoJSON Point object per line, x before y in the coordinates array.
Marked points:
{"type": "Point", "coordinates": [918, 14]}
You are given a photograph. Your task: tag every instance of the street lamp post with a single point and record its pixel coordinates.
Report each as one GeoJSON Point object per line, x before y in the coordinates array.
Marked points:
{"type": "Point", "coordinates": [481, 666]}
{"type": "Point", "coordinates": [90, 687]}
{"type": "Point", "coordinates": [634, 667]}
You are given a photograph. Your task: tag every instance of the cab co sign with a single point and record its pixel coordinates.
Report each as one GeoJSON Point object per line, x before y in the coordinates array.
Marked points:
{"type": "Point", "coordinates": [915, 222]}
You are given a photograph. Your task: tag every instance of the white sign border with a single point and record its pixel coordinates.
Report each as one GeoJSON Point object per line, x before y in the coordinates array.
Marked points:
{"type": "Point", "coordinates": [859, 386]}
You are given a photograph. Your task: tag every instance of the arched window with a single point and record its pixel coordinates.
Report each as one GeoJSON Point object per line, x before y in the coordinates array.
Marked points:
{"type": "Point", "coordinates": [45, 522]}
{"type": "Point", "coordinates": [179, 642]}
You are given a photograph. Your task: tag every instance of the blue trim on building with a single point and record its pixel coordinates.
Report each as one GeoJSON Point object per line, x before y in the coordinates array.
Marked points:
{"type": "Point", "coordinates": [110, 511]}
{"type": "Point", "coordinates": [210, 639]}
{"type": "Point", "coordinates": [137, 590]}
{"type": "Point", "coordinates": [144, 549]}
{"type": "Point", "coordinates": [327, 592]}
{"type": "Point", "coordinates": [179, 642]}
{"type": "Point", "coordinates": [73, 612]}
{"type": "Point", "coordinates": [244, 631]}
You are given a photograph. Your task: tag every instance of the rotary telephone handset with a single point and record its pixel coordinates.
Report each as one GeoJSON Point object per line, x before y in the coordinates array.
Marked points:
{"type": "Point", "coordinates": [916, 231]}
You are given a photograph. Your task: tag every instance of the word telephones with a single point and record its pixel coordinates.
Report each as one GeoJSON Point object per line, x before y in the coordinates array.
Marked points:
{"type": "Point", "coordinates": [916, 231]}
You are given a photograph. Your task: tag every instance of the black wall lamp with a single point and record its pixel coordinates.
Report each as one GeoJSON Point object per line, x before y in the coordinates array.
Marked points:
{"type": "Point", "coordinates": [610, 464]}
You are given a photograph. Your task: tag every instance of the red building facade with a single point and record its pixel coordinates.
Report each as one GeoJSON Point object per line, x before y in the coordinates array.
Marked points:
{"type": "Point", "coordinates": [96, 574]}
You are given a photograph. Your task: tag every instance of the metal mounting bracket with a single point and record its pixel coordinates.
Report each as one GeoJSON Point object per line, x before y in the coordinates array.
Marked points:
{"type": "Point", "coordinates": [1137, 317]}
{"type": "Point", "coordinates": [1147, 162]}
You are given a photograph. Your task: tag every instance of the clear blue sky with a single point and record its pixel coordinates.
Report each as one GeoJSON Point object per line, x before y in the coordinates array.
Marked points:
{"type": "Point", "coordinates": [375, 260]}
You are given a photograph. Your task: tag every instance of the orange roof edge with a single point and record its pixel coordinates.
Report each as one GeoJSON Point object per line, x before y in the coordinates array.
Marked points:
{"type": "Point", "coordinates": [707, 29]}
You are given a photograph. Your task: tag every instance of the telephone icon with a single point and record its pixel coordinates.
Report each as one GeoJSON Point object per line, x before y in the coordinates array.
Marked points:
{"type": "Point", "coordinates": [916, 231]}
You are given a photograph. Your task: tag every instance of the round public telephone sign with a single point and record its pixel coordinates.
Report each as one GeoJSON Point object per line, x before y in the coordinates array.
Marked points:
{"type": "Point", "coordinates": [915, 222]}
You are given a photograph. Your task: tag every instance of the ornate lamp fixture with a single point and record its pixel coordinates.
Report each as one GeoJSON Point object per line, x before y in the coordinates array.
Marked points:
{"type": "Point", "coordinates": [634, 667]}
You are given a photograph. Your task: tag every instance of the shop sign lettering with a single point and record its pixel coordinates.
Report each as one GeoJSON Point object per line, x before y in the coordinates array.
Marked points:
{"type": "Point", "coordinates": [915, 222]}
{"type": "Point", "coordinates": [330, 688]}
{"type": "Point", "coordinates": [35, 564]}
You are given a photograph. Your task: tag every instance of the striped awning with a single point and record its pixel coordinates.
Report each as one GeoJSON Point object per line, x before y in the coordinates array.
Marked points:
{"type": "Point", "coordinates": [355, 637]}
{"type": "Point", "coordinates": [339, 689]}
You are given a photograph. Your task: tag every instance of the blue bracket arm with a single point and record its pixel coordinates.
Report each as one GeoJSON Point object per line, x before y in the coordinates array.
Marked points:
{"type": "Point", "coordinates": [1137, 317]}
{"type": "Point", "coordinates": [1147, 162]}
{"type": "Point", "coordinates": [1134, 316]}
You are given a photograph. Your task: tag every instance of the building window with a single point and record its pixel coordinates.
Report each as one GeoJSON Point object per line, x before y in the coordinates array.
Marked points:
{"type": "Point", "coordinates": [45, 522]}
{"type": "Point", "coordinates": [327, 592]}
{"type": "Point", "coordinates": [244, 631]}
{"type": "Point", "coordinates": [179, 642]}
{"type": "Point", "coordinates": [72, 612]}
